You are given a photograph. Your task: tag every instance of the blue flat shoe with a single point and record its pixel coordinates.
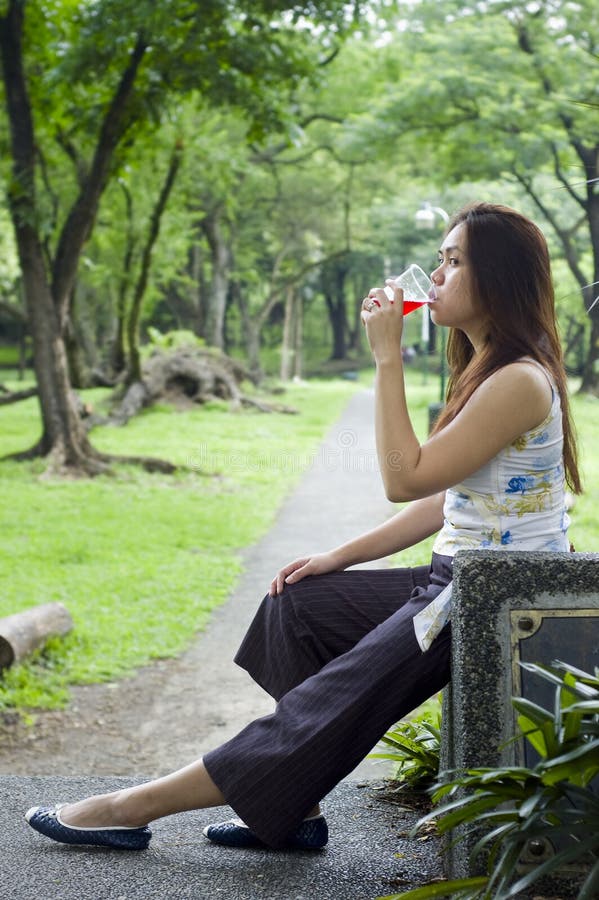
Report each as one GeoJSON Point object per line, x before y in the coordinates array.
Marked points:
{"type": "Point", "coordinates": [46, 820]}
{"type": "Point", "coordinates": [312, 834]}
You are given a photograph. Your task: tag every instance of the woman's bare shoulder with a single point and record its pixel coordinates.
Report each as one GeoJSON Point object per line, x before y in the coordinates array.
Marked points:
{"type": "Point", "coordinates": [525, 382]}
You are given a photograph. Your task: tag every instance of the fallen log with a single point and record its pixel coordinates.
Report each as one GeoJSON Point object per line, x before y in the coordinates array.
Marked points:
{"type": "Point", "coordinates": [24, 632]}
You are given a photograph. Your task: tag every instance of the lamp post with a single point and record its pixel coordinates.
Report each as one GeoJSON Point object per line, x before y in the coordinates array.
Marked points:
{"type": "Point", "coordinates": [425, 217]}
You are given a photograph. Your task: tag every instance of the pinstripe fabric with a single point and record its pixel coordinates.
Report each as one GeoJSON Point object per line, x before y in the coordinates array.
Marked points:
{"type": "Point", "coordinates": [339, 654]}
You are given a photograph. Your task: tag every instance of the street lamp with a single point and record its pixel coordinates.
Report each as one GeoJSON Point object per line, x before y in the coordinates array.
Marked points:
{"type": "Point", "coordinates": [425, 218]}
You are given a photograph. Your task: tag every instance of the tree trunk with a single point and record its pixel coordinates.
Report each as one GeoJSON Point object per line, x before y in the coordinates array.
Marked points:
{"type": "Point", "coordinates": [288, 343]}
{"type": "Point", "coordinates": [118, 354]}
{"type": "Point", "coordinates": [590, 375]}
{"type": "Point", "coordinates": [134, 363]}
{"type": "Point", "coordinates": [291, 347]}
{"type": "Point", "coordinates": [79, 376]}
{"type": "Point", "coordinates": [252, 344]}
{"type": "Point", "coordinates": [338, 319]}
{"type": "Point", "coordinates": [334, 275]}
{"type": "Point", "coordinates": [298, 360]}
{"type": "Point", "coordinates": [214, 325]}
{"type": "Point", "coordinates": [63, 434]}
{"type": "Point", "coordinates": [195, 271]}
{"type": "Point", "coordinates": [47, 298]}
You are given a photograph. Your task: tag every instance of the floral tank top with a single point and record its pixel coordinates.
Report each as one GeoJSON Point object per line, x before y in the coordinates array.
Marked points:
{"type": "Point", "coordinates": [516, 500]}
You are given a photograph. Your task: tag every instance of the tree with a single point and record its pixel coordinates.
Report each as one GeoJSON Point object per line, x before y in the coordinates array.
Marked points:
{"type": "Point", "coordinates": [506, 90]}
{"type": "Point", "coordinates": [87, 79]}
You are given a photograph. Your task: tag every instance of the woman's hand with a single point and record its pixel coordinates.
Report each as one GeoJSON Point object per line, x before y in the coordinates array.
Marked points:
{"type": "Point", "coordinates": [383, 320]}
{"type": "Point", "coordinates": [317, 564]}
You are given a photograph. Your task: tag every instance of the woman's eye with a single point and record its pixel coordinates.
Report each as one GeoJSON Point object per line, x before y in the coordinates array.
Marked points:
{"type": "Point", "coordinates": [453, 261]}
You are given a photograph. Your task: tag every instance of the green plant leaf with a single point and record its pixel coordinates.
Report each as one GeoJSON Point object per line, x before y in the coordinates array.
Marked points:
{"type": "Point", "coordinates": [554, 864]}
{"type": "Point", "coordinates": [466, 812]}
{"type": "Point", "coordinates": [579, 673]}
{"type": "Point", "coordinates": [533, 735]}
{"type": "Point", "coordinates": [441, 889]}
{"type": "Point", "coordinates": [533, 711]}
{"type": "Point", "coordinates": [573, 764]}
{"type": "Point", "coordinates": [590, 888]}
{"type": "Point", "coordinates": [494, 838]}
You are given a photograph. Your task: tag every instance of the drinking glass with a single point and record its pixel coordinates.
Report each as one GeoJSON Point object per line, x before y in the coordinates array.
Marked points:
{"type": "Point", "coordinates": [416, 286]}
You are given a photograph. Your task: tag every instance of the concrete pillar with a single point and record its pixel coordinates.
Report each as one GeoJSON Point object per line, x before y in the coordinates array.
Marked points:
{"type": "Point", "coordinates": [509, 607]}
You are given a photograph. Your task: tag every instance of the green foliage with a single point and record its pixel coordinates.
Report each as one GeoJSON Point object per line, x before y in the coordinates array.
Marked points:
{"type": "Point", "coordinates": [171, 340]}
{"type": "Point", "coordinates": [551, 804]}
{"type": "Point", "coordinates": [414, 746]}
{"type": "Point", "coordinates": [141, 560]}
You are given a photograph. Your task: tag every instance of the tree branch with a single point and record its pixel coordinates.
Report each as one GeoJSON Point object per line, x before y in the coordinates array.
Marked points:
{"type": "Point", "coordinates": [21, 190]}
{"type": "Point", "coordinates": [134, 373]}
{"type": "Point", "coordinates": [563, 180]}
{"type": "Point", "coordinates": [269, 154]}
{"type": "Point", "coordinates": [10, 397]}
{"type": "Point", "coordinates": [13, 311]}
{"type": "Point", "coordinates": [586, 154]}
{"type": "Point", "coordinates": [80, 220]}
{"type": "Point", "coordinates": [66, 144]}
{"type": "Point", "coordinates": [563, 235]}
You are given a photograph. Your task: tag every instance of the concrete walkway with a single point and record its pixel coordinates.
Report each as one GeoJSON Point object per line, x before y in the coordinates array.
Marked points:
{"type": "Point", "coordinates": [368, 855]}
{"type": "Point", "coordinates": [339, 496]}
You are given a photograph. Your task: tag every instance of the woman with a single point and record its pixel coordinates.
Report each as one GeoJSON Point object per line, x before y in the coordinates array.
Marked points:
{"type": "Point", "coordinates": [338, 649]}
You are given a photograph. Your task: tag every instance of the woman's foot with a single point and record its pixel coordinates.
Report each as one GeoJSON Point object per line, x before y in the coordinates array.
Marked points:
{"type": "Point", "coordinates": [116, 810]}
{"type": "Point", "coordinates": [49, 822]}
{"type": "Point", "coordinates": [311, 834]}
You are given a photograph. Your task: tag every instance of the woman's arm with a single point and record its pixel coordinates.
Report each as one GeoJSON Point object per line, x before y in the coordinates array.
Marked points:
{"type": "Point", "coordinates": [414, 523]}
{"type": "Point", "coordinates": [510, 402]}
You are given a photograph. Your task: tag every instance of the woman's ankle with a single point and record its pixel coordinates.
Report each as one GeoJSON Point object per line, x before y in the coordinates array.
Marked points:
{"type": "Point", "coordinates": [129, 808]}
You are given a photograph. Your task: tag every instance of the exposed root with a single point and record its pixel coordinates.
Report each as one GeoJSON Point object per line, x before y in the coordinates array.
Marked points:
{"type": "Point", "coordinates": [267, 407]}
{"type": "Point", "coordinates": [187, 376]}
{"type": "Point", "coordinates": [87, 464]}
{"type": "Point", "coordinates": [15, 396]}
{"type": "Point", "coordinates": [149, 463]}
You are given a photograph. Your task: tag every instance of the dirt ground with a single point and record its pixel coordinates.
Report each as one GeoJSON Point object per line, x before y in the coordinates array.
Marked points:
{"type": "Point", "coordinates": [164, 716]}
{"type": "Point", "coordinates": [171, 712]}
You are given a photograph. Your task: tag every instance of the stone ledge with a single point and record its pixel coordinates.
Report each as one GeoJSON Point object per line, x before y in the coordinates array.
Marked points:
{"type": "Point", "coordinates": [489, 587]}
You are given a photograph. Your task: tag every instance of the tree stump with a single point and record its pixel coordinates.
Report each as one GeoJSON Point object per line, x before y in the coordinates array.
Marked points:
{"type": "Point", "coordinates": [184, 376]}
{"type": "Point", "coordinates": [24, 632]}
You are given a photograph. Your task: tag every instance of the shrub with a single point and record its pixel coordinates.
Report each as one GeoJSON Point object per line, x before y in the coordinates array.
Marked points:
{"type": "Point", "coordinates": [414, 746]}
{"type": "Point", "coordinates": [548, 806]}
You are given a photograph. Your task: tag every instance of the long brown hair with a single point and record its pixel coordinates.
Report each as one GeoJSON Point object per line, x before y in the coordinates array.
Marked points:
{"type": "Point", "coordinates": [510, 277]}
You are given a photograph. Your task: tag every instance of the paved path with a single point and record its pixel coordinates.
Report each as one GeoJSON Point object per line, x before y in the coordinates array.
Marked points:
{"type": "Point", "coordinates": [337, 497]}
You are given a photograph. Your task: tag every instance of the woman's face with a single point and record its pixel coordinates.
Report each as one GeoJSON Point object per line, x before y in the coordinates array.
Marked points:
{"type": "Point", "coordinates": [454, 304]}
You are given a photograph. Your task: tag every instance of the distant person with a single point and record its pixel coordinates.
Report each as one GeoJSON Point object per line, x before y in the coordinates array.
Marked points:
{"type": "Point", "coordinates": [339, 650]}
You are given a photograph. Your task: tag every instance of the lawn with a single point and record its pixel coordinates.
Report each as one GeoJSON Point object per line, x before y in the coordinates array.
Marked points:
{"type": "Point", "coordinates": [140, 560]}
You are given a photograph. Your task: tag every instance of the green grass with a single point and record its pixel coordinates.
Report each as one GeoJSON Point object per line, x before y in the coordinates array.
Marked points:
{"type": "Point", "coordinates": [584, 530]}
{"type": "Point", "coordinates": [140, 560]}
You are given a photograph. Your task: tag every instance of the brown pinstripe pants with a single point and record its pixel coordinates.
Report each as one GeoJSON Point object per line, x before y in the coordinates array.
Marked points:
{"type": "Point", "coordinates": [338, 653]}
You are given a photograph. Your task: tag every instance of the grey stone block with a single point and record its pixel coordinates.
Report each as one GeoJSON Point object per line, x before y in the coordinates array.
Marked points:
{"type": "Point", "coordinates": [506, 606]}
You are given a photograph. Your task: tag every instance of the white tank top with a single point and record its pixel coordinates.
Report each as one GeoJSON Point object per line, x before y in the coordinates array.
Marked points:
{"type": "Point", "coordinates": [516, 500]}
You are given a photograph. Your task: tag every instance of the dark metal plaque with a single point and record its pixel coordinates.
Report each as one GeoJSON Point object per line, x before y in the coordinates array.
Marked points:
{"type": "Point", "coordinates": [542, 636]}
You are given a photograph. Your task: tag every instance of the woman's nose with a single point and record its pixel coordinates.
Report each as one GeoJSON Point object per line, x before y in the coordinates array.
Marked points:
{"type": "Point", "coordinates": [436, 275]}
